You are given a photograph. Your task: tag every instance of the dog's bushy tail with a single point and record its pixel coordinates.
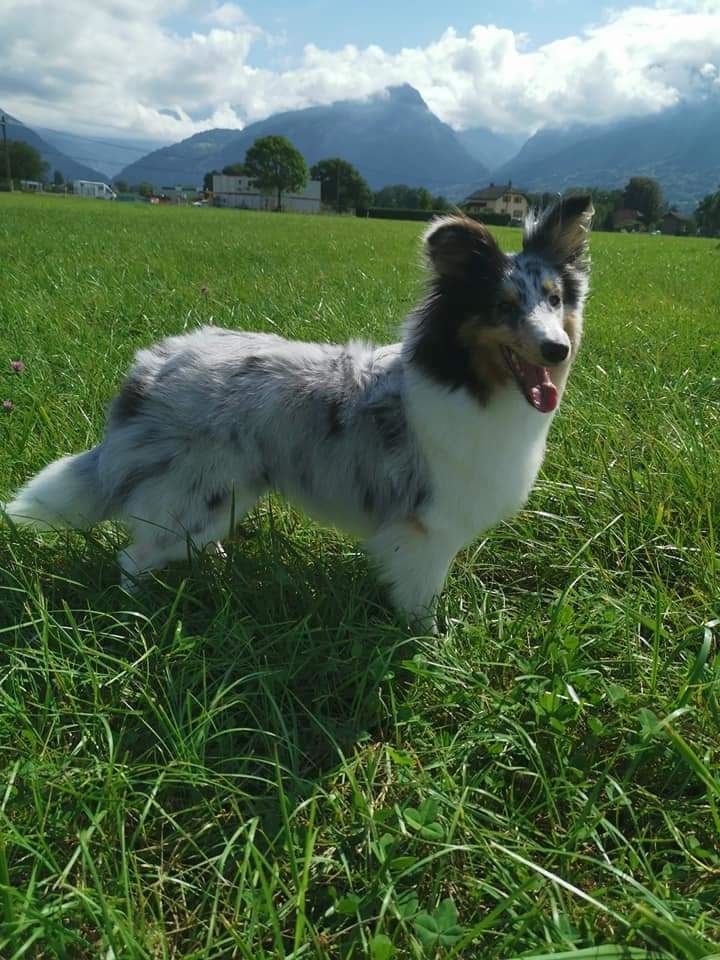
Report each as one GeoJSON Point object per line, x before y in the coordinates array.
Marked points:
{"type": "Point", "coordinates": [66, 493]}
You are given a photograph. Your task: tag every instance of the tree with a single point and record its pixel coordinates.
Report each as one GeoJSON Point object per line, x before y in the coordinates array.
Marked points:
{"type": "Point", "coordinates": [402, 197]}
{"type": "Point", "coordinates": [440, 203]}
{"type": "Point", "coordinates": [235, 170]}
{"type": "Point", "coordinates": [644, 194]}
{"type": "Point", "coordinates": [707, 214]}
{"type": "Point", "coordinates": [25, 161]}
{"type": "Point", "coordinates": [122, 186]}
{"type": "Point", "coordinates": [424, 199]}
{"type": "Point", "coordinates": [275, 164]}
{"type": "Point", "coordinates": [398, 196]}
{"type": "Point", "coordinates": [58, 179]}
{"type": "Point", "coordinates": [208, 180]}
{"type": "Point", "coordinates": [145, 189]}
{"type": "Point", "coordinates": [342, 185]}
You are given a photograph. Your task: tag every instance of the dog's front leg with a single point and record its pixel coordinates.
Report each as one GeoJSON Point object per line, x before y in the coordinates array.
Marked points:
{"type": "Point", "coordinates": [413, 562]}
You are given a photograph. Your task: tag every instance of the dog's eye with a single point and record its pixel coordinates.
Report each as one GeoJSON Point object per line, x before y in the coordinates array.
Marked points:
{"type": "Point", "coordinates": [554, 300]}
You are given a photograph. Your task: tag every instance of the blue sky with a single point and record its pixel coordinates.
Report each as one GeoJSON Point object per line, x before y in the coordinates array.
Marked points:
{"type": "Point", "coordinates": [393, 25]}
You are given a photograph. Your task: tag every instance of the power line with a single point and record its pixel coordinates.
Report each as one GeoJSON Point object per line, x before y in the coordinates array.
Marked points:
{"type": "Point", "coordinates": [137, 148]}
{"type": "Point", "coordinates": [107, 143]}
{"type": "Point", "coordinates": [7, 153]}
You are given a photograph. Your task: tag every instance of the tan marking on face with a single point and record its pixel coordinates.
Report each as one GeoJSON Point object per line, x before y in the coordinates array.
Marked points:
{"type": "Point", "coordinates": [486, 359]}
{"type": "Point", "coordinates": [476, 337]}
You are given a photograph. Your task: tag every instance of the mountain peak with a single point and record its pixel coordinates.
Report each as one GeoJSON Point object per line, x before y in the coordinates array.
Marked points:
{"type": "Point", "coordinates": [405, 94]}
{"type": "Point", "coordinates": [391, 137]}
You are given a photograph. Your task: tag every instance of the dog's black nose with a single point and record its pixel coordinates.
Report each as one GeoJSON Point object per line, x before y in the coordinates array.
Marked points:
{"type": "Point", "coordinates": [553, 351]}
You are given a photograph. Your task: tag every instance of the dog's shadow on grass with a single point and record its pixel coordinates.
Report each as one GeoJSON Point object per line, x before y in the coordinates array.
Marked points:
{"type": "Point", "coordinates": [278, 657]}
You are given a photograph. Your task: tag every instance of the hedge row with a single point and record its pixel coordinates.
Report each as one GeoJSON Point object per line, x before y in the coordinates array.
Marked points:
{"type": "Point", "coordinates": [395, 213]}
{"type": "Point", "coordinates": [494, 219]}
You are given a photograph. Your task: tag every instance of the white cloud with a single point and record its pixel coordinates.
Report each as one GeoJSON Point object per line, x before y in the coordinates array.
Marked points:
{"type": "Point", "coordinates": [121, 64]}
{"type": "Point", "coordinates": [228, 15]}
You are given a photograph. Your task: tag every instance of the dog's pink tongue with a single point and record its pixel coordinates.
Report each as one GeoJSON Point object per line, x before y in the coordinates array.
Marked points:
{"type": "Point", "coordinates": [541, 391]}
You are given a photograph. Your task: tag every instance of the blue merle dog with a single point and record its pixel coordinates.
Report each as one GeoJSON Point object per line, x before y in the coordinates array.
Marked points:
{"type": "Point", "coordinates": [416, 447]}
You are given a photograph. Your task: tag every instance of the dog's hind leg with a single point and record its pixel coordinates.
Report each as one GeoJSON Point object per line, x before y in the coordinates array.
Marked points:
{"type": "Point", "coordinates": [156, 543]}
{"type": "Point", "coordinates": [413, 562]}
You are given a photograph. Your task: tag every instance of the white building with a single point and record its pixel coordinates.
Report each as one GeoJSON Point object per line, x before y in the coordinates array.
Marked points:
{"type": "Point", "coordinates": [240, 192]}
{"type": "Point", "coordinates": [93, 188]}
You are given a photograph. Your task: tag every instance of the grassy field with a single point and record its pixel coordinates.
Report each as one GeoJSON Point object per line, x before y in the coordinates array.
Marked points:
{"type": "Point", "coordinates": [250, 759]}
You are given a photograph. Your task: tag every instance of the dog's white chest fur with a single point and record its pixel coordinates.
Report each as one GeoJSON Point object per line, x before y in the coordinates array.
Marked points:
{"type": "Point", "coordinates": [483, 459]}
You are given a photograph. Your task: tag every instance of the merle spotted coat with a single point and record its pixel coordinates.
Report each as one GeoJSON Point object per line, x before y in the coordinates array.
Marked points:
{"type": "Point", "coordinates": [416, 447]}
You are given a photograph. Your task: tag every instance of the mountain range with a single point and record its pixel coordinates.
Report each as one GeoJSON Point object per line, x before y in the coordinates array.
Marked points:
{"type": "Point", "coordinates": [679, 147]}
{"type": "Point", "coordinates": [393, 137]}
{"type": "Point", "coordinates": [108, 155]}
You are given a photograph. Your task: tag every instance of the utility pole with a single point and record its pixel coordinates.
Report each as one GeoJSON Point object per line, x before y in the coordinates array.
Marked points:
{"type": "Point", "coordinates": [8, 172]}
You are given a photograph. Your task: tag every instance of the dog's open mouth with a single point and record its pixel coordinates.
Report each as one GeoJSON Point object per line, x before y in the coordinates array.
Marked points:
{"type": "Point", "coordinates": [534, 381]}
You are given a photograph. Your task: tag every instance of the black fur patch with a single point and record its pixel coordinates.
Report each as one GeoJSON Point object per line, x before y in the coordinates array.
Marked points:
{"type": "Point", "coordinates": [130, 400]}
{"type": "Point", "coordinates": [421, 497]}
{"type": "Point", "coordinates": [215, 500]}
{"type": "Point", "coordinates": [335, 425]}
{"type": "Point", "coordinates": [389, 421]}
{"type": "Point", "coordinates": [264, 478]}
{"type": "Point", "coordinates": [253, 364]}
{"type": "Point", "coordinates": [140, 475]}
{"type": "Point", "coordinates": [369, 500]}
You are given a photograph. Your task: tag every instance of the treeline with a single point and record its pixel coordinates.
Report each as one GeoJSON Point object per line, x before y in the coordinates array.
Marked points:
{"type": "Point", "coordinates": [614, 209]}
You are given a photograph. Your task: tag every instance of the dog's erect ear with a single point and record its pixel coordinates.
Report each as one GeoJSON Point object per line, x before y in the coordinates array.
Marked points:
{"type": "Point", "coordinates": [560, 233]}
{"type": "Point", "coordinates": [453, 244]}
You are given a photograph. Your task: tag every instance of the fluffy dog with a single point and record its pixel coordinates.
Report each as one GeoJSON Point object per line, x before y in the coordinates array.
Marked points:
{"type": "Point", "coordinates": [416, 447]}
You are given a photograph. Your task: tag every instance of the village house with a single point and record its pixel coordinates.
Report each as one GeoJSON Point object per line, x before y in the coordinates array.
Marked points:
{"type": "Point", "coordinates": [497, 199]}
{"type": "Point", "coordinates": [676, 224]}
{"type": "Point", "coordinates": [229, 191]}
{"type": "Point", "coordinates": [627, 220]}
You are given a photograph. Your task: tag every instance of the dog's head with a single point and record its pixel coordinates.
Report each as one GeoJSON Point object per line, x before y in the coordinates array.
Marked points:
{"type": "Point", "coordinates": [514, 315]}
